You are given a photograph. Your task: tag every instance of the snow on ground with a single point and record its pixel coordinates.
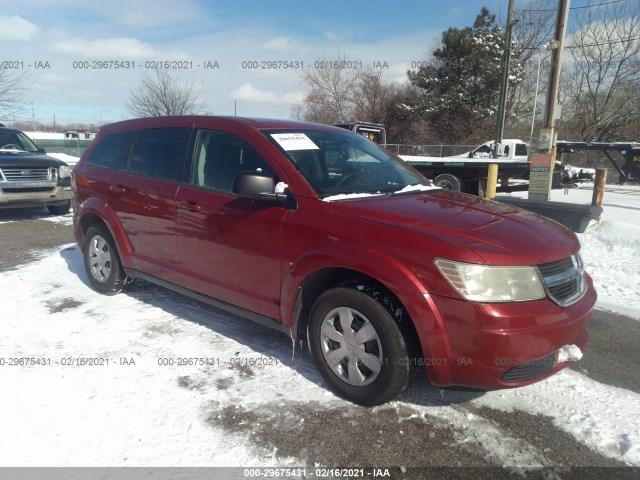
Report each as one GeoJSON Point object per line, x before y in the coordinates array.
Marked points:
{"type": "Point", "coordinates": [605, 418]}
{"type": "Point", "coordinates": [139, 407]}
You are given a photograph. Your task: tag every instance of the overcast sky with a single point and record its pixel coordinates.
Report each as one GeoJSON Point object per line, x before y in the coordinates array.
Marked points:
{"type": "Point", "coordinates": [55, 42]}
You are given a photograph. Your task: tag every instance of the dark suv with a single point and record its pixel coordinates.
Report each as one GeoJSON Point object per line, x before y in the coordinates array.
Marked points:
{"type": "Point", "coordinates": [29, 177]}
{"type": "Point", "coordinates": [328, 237]}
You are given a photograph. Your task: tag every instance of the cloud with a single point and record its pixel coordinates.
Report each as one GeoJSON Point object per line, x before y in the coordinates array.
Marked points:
{"type": "Point", "coordinates": [156, 13]}
{"type": "Point", "coordinates": [335, 37]}
{"type": "Point", "coordinates": [281, 43]}
{"type": "Point", "coordinates": [16, 29]}
{"type": "Point", "coordinates": [51, 81]}
{"type": "Point", "coordinates": [248, 92]}
{"type": "Point", "coordinates": [144, 13]}
{"type": "Point", "coordinates": [115, 48]}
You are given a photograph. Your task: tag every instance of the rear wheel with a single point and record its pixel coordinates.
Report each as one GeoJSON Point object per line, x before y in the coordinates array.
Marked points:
{"type": "Point", "coordinates": [59, 209]}
{"type": "Point", "coordinates": [102, 263]}
{"type": "Point", "coordinates": [448, 181]}
{"type": "Point", "coordinates": [358, 347]}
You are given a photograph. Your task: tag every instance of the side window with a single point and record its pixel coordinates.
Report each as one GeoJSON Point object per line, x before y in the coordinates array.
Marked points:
{"type": "Point", "coordinates": [521, 149]}
{"type": "Point", "coordinates": [160, 153]}
{"type": "Point", "coordinates": [220, 156]}
{"type": "Point", "coordinates": [113, 151]}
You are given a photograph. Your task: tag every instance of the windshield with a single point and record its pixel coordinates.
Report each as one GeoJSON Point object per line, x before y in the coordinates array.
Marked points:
{"type": "Point", "coordinates": [341, 163]}
{"type": "Point", "coordinates": [16, 142]}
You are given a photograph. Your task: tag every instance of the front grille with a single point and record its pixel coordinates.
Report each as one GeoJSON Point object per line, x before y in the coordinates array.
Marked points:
{"type": "Point", "coordinates": [26, 174]}
{"type": "Point", "coordinates": [530, 370]}
{"type": "Point", "coordinates": [564, 280]}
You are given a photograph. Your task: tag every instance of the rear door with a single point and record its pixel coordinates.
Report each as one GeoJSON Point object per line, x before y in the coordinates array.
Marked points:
{"type": "Point", "coordinates": [144, 198]}
{"type": "Point", "coordinates": [230, 247]}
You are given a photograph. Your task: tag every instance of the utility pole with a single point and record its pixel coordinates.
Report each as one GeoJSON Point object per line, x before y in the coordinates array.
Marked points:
{"type": "Point", "coordinates": [492, 178]}
{"type": "Point", "coordinates": [506, 67]}
{"type": "Point", "coordinates": [542, 164]}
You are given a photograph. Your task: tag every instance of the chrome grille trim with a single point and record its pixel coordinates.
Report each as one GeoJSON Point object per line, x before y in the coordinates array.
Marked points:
{"type": "Point", "coordinates": [564, 280]}
{"type": "Point", "coordinates": [27, 174]}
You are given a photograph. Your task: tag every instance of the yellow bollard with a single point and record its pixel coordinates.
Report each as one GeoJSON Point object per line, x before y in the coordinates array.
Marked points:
{"type": "Point", "coordinates": [492, 180]}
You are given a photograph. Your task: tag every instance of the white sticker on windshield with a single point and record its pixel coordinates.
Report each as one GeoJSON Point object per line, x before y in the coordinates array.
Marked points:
{"type": "Point", "coordinates": [294, 141]}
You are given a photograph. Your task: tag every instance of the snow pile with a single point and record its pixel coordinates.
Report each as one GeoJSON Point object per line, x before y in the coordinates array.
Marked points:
{"type": "Point", "coordinates": [349, 196]}
{"type": "Point", "coordinates": [417, 188]}
{"type": "Point", "coordinates": [569, 353]}
{"type": "Point", "coordinates": [68, 159]}
{"type": "Point", "coordinates": [579, 172]}
{"type": "Point", "coordinates": [611, 252]}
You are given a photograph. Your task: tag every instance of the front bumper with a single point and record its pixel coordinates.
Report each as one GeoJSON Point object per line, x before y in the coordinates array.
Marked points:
{"type": "Point", "coordinates": [504, 344]}
{"type": "Point", "coordinates": [33, 194]}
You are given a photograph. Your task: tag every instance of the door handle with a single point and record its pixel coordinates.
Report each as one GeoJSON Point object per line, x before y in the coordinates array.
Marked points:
{"type": "Point", "coordinates": [191, 206]}
{"type": "Point", "coordinates": [117, 188]}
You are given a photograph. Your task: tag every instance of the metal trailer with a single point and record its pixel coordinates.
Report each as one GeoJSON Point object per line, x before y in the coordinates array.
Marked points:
{"type": "Point", "coordinates": [628, 167]}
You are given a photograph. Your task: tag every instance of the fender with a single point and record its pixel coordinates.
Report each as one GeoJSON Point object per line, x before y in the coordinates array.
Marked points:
{"type": "Point", "coordinates": [103, 210]}
{"type": "Point", "coordinates": [384, 268]}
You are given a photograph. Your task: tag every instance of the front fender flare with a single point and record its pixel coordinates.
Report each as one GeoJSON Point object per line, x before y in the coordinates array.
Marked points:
{"type": "Point", "coordinates": [383, 267]}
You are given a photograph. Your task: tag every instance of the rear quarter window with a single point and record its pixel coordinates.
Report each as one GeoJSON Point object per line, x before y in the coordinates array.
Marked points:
{"type": "Point", "coordinates": [161, 153]}
{"type": "Point", "coordinates": [113, 151]}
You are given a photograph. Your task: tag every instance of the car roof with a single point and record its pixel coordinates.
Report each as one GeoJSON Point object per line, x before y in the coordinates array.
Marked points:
{"type": "Point", "coordinates": [255, 123]}
{"type": "Point", "coordinates": [8, 129]}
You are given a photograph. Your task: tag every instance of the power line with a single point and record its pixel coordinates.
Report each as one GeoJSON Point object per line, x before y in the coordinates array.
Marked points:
{"type": "Point", "coordinates": [604, 43]}
{"type": "Point", "coordinates": [572, 8]}
{"type": "Point", "coordinates": [591, 44]}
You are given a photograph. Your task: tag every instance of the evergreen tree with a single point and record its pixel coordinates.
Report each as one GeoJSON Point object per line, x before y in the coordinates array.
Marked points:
{"type": "Point", "coordinates": [460, 84]}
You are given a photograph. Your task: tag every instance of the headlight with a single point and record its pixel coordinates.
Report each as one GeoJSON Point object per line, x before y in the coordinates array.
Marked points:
{"type": "Point", "coordinates": [482, 283]}
{"type": "Point", "coordinates": [64, 171]}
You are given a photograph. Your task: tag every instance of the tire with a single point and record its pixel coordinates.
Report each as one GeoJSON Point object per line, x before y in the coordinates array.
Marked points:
{"type": "Point", "coordinates": [102, 262]}
{"type": "Point", "coordinates": [448, 181]}
{"type": "Point", "coordinates": [369, 370]}
{"type": "Point", "coordinates": [59, 209]}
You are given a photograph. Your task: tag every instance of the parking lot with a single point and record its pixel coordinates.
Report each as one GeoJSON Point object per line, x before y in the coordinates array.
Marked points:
{"type": "Point", "coordinates": [259, 401]}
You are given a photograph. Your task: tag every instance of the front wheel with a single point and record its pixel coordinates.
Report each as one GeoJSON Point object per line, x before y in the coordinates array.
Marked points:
{"type": "Point", "coordinates": [358, 347]}
{"type": "Point", "coordinates": [102, 263]}
{"type": "Point", "coordinates": [60, 209]}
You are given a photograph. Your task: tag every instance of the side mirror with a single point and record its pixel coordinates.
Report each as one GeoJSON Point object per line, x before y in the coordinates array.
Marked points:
{"type": "Point", "coordinates": [257, 187]}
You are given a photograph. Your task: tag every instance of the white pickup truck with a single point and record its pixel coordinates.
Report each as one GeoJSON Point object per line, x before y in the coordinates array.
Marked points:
{"type": "Point", "coordinates": [468, 172]}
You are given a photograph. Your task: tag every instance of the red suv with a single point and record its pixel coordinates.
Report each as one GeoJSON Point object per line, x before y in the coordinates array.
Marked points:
{"type": "Point", "coordinates": [326, 236]}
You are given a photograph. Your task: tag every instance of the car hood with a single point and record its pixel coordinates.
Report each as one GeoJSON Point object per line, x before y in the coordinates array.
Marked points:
{"type": "Point", "coordinates": [501, 234]}
{"type": "Point", "coordinates": [9, 160]}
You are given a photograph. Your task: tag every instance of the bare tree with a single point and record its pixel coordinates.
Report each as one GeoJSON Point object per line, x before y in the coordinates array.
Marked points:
{"type": "Point", "coordinates": [602, 84]}
{"type": "Point", "coordinates": [12, 89]}
{"type": "Point", "coordinates": [381, 101]}
{"type": "Point", "coordinates": [533, 28]}
{"type": "Point", "coordinates": [330, 96]}
{"type": "Point", "coordinates": [161, 94]}
{"type": "Point", "coordinates": [338, 93]}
